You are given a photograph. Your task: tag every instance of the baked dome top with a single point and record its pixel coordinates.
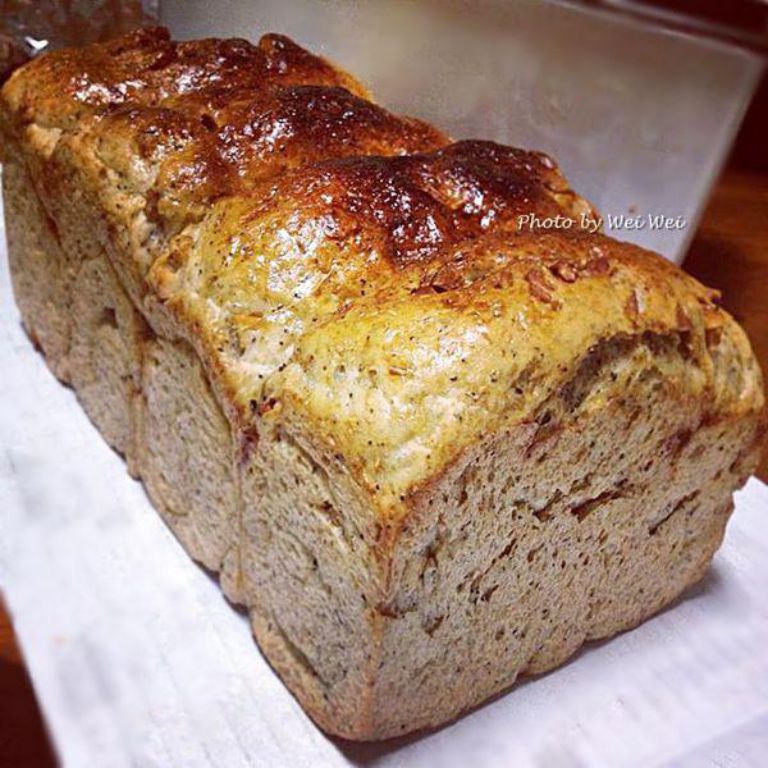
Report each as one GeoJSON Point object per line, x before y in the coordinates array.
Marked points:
{"type": "Point", "coordinates": [348, 269]}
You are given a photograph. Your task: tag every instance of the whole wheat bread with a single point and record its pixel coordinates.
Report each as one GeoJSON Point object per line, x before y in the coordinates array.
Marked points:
{"type": "Point", "coordinates": [427, 451]}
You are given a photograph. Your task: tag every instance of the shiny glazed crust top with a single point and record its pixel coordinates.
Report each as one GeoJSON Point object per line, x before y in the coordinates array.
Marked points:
{"type": "Point", "coordinates": [345, 269]}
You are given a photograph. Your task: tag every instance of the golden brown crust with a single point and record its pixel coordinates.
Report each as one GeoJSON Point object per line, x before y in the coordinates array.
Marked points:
{"type": "Point", "coordinates": [401, 384]}
{"type": "Point", "coordinates": [186, 155]}
{"type": "Point", "coordinates": [147, 68]}
{"type": "Point", "coordinates": [358, 273]}
{"type": "Point", "coordinates": [187, 123]}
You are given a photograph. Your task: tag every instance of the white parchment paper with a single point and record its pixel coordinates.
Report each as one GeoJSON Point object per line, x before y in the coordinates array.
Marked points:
{"type": "Point", "coordinates": [138, 660]}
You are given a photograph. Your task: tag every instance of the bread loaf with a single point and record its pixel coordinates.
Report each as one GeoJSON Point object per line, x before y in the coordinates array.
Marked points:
{"type": "Point", "coordinates": [427, 451]}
